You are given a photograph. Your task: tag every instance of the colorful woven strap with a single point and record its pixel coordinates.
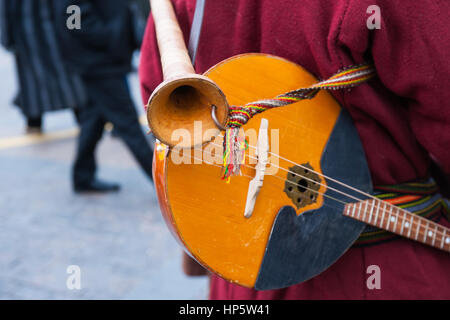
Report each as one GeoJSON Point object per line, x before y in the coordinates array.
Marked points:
{"type": "Point", "coordinates": [234, 147]}
{"type": "Point", "coordinates": [420, 197]}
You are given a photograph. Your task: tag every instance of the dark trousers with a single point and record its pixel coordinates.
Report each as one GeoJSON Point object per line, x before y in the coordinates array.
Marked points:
{"type": "Point", "coordinates": [109, 100]}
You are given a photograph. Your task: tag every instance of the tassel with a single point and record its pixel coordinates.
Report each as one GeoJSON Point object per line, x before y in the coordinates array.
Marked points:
{"type": "Point", "coordinates": [234, 146]}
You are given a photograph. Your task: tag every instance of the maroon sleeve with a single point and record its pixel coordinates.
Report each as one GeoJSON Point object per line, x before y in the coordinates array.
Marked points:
{"type": "Point", "coordinates": [411, 52]}
{"type": "Point", "coordinates": [150, 72]}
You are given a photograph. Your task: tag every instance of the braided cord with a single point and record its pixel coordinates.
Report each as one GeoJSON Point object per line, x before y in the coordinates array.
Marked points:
{"type": "Point", "coordinates": [234, 147]}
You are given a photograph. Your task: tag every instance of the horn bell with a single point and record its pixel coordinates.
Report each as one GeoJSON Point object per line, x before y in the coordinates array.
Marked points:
{"type": "Point", "coordinates": [184, 104]}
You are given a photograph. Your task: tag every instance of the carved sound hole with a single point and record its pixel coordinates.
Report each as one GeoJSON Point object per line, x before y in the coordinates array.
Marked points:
{"type": "Point", "coordinates": [301, 185]}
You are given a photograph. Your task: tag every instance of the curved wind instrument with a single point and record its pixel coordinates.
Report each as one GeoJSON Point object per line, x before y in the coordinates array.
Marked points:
{"type": "Point", "coordinates": [184, 97]}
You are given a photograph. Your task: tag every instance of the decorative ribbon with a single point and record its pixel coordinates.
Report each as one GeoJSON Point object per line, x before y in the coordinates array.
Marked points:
{"type": "Point", "coordinates": [234, 142]}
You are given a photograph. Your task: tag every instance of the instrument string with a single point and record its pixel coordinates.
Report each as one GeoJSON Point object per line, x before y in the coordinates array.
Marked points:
{"type": "Point", "coordinates": [316, 172]}
{"type": "Point", "coordinates": [402, 219]}
{"type": "Point", "coordinates": [384, 210]}
{"type": "Point", "coordinates": [306, 178]}
{"type": "Point", "coordinates": [280, 178]}
{"type": "Point", "coordinates": [328, 178]}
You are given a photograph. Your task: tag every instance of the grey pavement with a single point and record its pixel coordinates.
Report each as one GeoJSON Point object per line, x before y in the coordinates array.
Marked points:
{"type": "Point", "coordinates": [119, 241]}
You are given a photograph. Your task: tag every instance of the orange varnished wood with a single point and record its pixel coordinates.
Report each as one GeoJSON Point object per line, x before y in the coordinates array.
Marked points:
{"type": "Point", "coordinates": [159, 178]}
{"type": "Point", "coordinates": [205, 212]}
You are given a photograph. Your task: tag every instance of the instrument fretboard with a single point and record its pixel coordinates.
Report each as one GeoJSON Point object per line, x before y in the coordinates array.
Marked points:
{"type": "Point", "coordinates": [388, 217]}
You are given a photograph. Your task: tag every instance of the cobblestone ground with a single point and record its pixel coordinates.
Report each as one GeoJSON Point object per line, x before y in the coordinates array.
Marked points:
{"type": "Point", "coordinates": [119, 241]}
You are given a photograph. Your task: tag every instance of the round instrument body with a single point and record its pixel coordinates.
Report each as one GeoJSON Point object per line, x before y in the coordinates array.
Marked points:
{"type": "Point", "coordinates": [282, 243]}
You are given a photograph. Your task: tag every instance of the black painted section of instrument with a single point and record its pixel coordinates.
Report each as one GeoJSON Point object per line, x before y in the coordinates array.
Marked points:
{"type": "Point", "coordinates": [301, 247]}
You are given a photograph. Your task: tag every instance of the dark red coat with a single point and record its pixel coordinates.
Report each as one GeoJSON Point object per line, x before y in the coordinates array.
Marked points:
{"type": "Point", "coordinates": [403, 116]}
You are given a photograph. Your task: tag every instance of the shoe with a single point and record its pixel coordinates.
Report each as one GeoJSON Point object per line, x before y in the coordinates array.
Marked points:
{"type": "Point", "coordinates": [97, 186]}
{"type": "Point", "coordinates": [33, 130]}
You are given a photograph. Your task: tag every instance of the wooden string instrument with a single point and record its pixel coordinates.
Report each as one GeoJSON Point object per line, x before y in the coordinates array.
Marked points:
{"type": "Point", "coordinates": [304, 216]}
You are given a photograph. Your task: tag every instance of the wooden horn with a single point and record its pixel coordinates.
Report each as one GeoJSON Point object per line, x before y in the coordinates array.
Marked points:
{"type": "Point", "coordinates": [184, 97]}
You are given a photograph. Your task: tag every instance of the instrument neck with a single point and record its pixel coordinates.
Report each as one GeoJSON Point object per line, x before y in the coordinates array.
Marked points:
{"type": "Point", "coordinates": [383, 215]}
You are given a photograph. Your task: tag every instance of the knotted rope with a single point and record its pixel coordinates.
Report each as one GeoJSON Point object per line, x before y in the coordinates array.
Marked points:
{"type": "Point", "coordinates": [235, 144]}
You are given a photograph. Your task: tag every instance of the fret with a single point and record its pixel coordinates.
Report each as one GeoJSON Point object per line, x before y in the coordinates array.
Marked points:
{"type": "Point", "coordinates": [371, 211]}
{"type": "Point", "coordinates": [376, 214]}
{"type": "Point", "coordinates": [403, 223]}
{"type": "Point", "coordinates": [418, 228]}
{"type": "Point", "coordinates": [353, 211]}
{"type": "Point", "coordinates": [425, 233]}
{"type": "Point", "coordinates": [364, 216]}
{"type": "Point", "coordinates": [359, 213]}
{"type": "Point", "coordinates": [384, 212]}
{"type": "Point", "coordinates": [389, 218]}
{"type": "Point", "coordinates": [442, 240]}
{"type": "Point", "coordinates": [410, 225]}
{"type": "Point", "coordinates": [434, 236]}
{"type": "Point", "coordinates": [445, 239]}
{"type": "Point", "coordinates": [396, 220]}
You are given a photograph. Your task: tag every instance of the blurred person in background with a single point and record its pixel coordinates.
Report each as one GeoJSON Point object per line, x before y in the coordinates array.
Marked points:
{"type": "Point", "coordinates": [100, 51]}
{"type": "Point", "coordinates": [28, 32]}
{"type": "Point", "coordinates": [144, 7]}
